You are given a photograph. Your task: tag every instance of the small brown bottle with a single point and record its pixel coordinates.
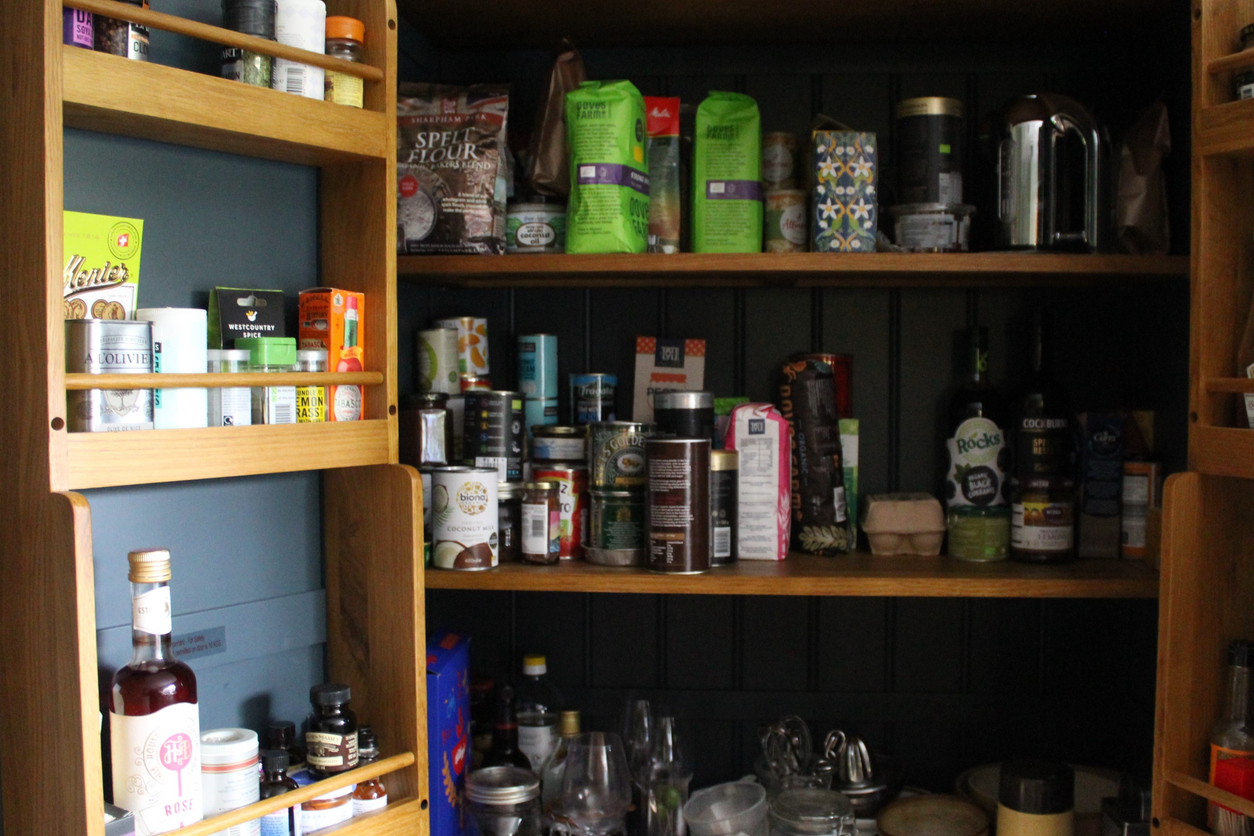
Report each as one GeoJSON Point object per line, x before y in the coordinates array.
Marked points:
{"type": "Point", "coordinates": [275, 781]}
{"type": "Point", "coordinates": [370, 794]}
{"type": "Point", "coordinates": [281, 734]}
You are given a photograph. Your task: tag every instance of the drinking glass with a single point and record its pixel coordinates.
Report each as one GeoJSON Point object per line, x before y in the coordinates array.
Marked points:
{"type": "Point", "coordinates": [666, 786]}
{"type": "Point", "coordinates": [596, 789]}
{"type": "Point", "coordinates": [638, 734]}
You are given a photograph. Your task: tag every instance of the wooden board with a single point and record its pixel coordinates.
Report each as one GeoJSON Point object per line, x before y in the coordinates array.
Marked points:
{"type": "Point", "coordinates": [1225, 129]}
{"type": "Point", "coordinates": [1222, 451]}
{"type": "Point", "coordinates": [99, 460]}
{"type": "Point", "coordinates": [202, 381]}
{"type": "Point", "coordinates": [859, 574]}
{"type": "Point", "coordinates": [134, 98]}
{"type": "Point", "coordinates": [788, 269]}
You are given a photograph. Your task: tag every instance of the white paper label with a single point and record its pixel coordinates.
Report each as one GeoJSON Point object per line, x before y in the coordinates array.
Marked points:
{"type": "Point", "coordinates": [838, 500]}
{"type": "Point", "coordinates": [535, 528]}
{"type": "Point", "coordinates": [537, 743]}
{"type": "Point", "coordinates": [1133, 531]}
{"type": "Point", "coordinates": [500, 463]}
{"type": "Point", "coordinates": [367, 805]}
{"type": "Point", "coordinates": [280, 405]}
{"type": "Point", "coordinates": [1135, 489]}
{"type": "Point", "coordinates": [280, 823]}
{"type": "Point", "coordinates": [150, 612]}
{"type": "Point", "coordinates": [156, 767]}
{"type": "Point", "coordinates": [722, 541]}
{"type": "Point", "coordinates": [311, 820]}
{"type": "Point", "coordinates": [758, 491]}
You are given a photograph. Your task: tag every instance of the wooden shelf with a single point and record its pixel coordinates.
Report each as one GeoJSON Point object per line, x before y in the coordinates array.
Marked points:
{"type": "Point", "coordinates": [860, 574]}
{"type": "Point", "coordinates": [1221, 385]}
{"type": "Point", "coordinates": [218, 380]}
{"type": "Point", "coordinates": [100, 460]}
{"type": "Point", "coordinates": [788, 269]}
{"type": "Point", "coordinates": [1222, 451]}
{"type": "Point", "coordinates": [221, 822]}
{"type": "Point", "coordinates": [1225, 129]}
{"type": "Point", "coordinates": [1201, 788]}
{"type": "Point", "coordinates": [114, 95]}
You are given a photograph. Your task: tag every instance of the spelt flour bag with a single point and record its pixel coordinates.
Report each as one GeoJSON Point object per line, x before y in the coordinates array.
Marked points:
{"type": "Point", "coordinates": [727, 176]}
{"type": "Point", "coordinates": [608, 210]}
{"type": "Point", "coordinates": [451, 168]}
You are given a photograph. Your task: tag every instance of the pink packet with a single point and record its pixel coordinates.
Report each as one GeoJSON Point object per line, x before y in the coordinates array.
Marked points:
{"type": "Point", "coordinates": [759, 433]}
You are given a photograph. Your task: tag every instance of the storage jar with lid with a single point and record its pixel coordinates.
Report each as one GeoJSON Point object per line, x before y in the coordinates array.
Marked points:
{"type": "Point", "coordinates": [228, 772]}
{"type": "Point", "coordinates": [272, 404]}
{"type": "Point", "coordinates": [504, 800]}
{"type": "Point", "coordinates": [311, 401]}
{"type": "Point", "coordinates": [249, 17]}
{"type": "Point", "coordinates": [345, 39]}
{"type": "Point", "coordinates": [1036, 798]}
{"type": "Point", "coordinates": [685, 414]}
{"type": "Point", "coordinates": [541, 523]}
{"type": "Point", "coordinates": [811, 812]}
{"type": "Point", "coordinates": [331, 739]}
{"type": "Point", "coordinates": [559, 443]}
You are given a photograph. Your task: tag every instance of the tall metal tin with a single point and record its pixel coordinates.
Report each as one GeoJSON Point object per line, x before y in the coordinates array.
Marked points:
{"type": "Point", "coordinates": [103, 346]}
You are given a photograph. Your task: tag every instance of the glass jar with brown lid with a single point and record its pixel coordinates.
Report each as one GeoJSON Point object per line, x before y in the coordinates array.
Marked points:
{"type": "Point", "coordinates": [541, 523]}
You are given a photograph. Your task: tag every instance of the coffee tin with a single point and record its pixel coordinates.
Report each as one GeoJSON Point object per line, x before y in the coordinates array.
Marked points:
{"type": "Point", "coordinates": [616, 453]}
{"type": "Point", "coordinates": [592, 397]}
{"type": "Point", "coordinates": [472, 342]}
{"type": "Point", "coordinates": [685, 414]}
{"type": "Point", "coordinates": [492, 435]}
{"type": "Point", "coordinates": [108, 346]}
{"type": "Point", "coordinates": [537, 366]}
{"type": "Point", "coordinates": [437, 361]}
{"type": "Point", "coordinates": [616, 529]}
{"type": "Point", "coordinates": [929, 150]}
{"type": "Point", "coordinates": [464, 518]}
{"type": "Point", "coordinates": [677, 505]}
{"type": "Point", "coordinates": [724, 488]}
{"type": "Point", "coordinates": [572, 483]}
{"type": "Point", "coordinates": [555, 443]}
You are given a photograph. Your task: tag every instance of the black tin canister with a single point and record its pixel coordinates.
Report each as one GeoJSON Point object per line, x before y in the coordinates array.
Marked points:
{"type": "Point", "coordinates": [493, 432]}
{"type": "Point", "coordinates": [684, 414]}
{"type": "Point", "coordinates": [677, 505]}
{"type": "Point", "coordinates": [929, 150]}
{"type": "Point", "coordinates": [724, 470]}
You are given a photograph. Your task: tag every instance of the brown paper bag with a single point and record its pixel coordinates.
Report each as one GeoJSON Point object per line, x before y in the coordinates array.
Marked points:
{"type": "Point", "coordinates": [548, 168]}
{"type": "Point", "coordinates": [1141, 209]}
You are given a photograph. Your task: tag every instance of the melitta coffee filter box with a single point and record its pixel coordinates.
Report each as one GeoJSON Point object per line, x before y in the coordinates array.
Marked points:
{"type": "Point", "coordinates": [236, 312]}
{"type": "Point", "coordinates": [334, 319]}
{"type": "Point", "coordinates": [101, 274]}
{"type": "Point", "coordinates": [763, 438]}
{"type": "Point", "coordinates": [448, 729]}
{"type": "Point", "coordinates": [665, 365]}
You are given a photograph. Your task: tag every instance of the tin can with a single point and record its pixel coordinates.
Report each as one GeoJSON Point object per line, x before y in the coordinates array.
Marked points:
{"type": "Point", "coordinates": [929, 150]}
{"type": "Point", "coordinates": [474, 383]}
{"type": "Point", "coordinates": [724, 488]}
{"type": "Point", "coordinates": [554, 443]}
{"type": "Point", "coordinates": [685, 414]}
{"type": "Point", "coordinates": [677, 505]}
{"type": "Point", "coordinates": [616, 454]}
{"type": "Point", "coordinates": [535, 228]}
{"type": "Point", "coordinates": [616, 529]}
{"type": "Point", "coordinates": [572, 483]}
{"type": "Point", "coordinates": [425, 475]}
{"type": "Point", "coordinates": [426, 430]}
{"type": "Point", "coordinates": [932, 227]}
{"type": "Point", "coordinates": [472, 342]}
{"type": "Point", "coordinates": [437, 361]}
{"type": "Point", "coordinates": [784, 218]}
{"type": "Point", "coordinates": [592, 397]}
{"type": "Point", "coordinates": [492, 435]}
{"type": "Point", "coordinates": [779, 156]}
{"type": "Point", "coordinates": [112, 346]}
{"type": "Point", "coordinates": [464, 518]}
{"type": "Point", "coordinates": [842, 378]}
{"type": "Point", "coordinates": [537, 366]}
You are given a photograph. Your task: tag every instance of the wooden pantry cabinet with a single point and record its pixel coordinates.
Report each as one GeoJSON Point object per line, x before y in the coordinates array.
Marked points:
{"type": "Point", "coordinates": [371, 520]}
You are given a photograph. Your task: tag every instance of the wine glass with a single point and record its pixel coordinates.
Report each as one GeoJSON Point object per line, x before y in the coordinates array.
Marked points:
{"type": "Point", "coordinates": [596, 789]}
{"type": "Point", "coordinates": [666, 785]}
{"type": "Point", "coordinates": [638, 734]}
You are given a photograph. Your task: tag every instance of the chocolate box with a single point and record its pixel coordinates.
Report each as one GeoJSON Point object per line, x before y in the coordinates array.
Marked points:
{"type": "Point", "coordinates": [448, 729]}
{"type": "Point", "coordinates": [845, 213]}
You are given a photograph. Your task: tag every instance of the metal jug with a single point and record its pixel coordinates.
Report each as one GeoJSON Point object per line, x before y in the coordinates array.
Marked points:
{"type": "Point", "coordinates": [1029, 171]}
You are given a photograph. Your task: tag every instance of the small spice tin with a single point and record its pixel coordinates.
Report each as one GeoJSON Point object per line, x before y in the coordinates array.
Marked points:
{"type": "Point", "coordinates": [616, 454]}
{"type": "Point", "coordinates": [100, 346]}
{"type": "Point", "coordinates": [571, 479]}
{"type": "Point", "coordinates": [464, 518]}
{"type": "Point", "coordinates": [492, 435]}
{"type": "Point", "coordinates": [677, 505]}
{"type": "Point", "coordinates": [554, 443]}
{"type": "Point", "coordinates": [592, 397]}
{"type": "Point", "coordinates": [685, 414]}
{"type": "Point", "coordinates": [616, 529]}
{"type": "Point", "coordinates": [724, 468]}
{"type": "Point", "coordinates": [535, 228]}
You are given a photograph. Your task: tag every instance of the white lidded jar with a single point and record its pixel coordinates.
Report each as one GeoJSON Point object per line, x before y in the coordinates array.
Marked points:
{"type": "Point", "coordinates": [302, 24]}
{"type": "Point", "coordinates": [228, 776]}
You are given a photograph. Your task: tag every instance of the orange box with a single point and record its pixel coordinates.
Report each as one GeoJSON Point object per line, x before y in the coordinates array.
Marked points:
{"type": "Point", "coordinates": [335, 320]}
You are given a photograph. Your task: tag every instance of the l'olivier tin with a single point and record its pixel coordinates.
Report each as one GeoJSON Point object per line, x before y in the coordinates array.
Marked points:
{"type": "Point", "coordinates": [572, 484]}
{"type": "Point", "coordinates": [100, 346]}
{"type": "Point", "coordinates": [616, 453]}
{"type": "Point", "coordinates": [464, 518]}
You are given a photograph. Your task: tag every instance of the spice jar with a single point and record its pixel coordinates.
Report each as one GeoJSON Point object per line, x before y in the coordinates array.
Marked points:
{"type": "Point", "coordinates": [272, 404]}
{"type": "Point", "coordinates": [311, 401]}
{"type": "Point", "coordinates": [229, 406]}
{"type": "Point", "coordinates": [811, 812]}
{"type": "Point", "coordinates": [505, 801]}
{"type": "Point", "coordinates": [228, 762]}
{"type": "Point", "coordinates": [541, 523]}
{"type": "Point", "coordinates": [345, 36]}
{"type": "Point", "coordinates": [724, 468]}
{"type": "Point", "coordinates": [331, 739]}
{"type": "Point", "coordinates": [249, 17]}
{"type": "Point", "coordinates": [120, 37]}
{"type": "Point", "coordinates": [509, 497]}
{"type": "Point", "coordinates": [336, 807]}
{"type": "Point", "coordinates": [370, 794]}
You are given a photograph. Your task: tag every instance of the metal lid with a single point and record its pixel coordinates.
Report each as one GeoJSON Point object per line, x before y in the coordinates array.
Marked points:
{"type": "Point", "coordinates": [463, 469]}
{"type": "Point", "coordinates": [502, 785]}
{"type": "Point", "coordinates": [683, 400]}
{"type": "Point", "coordinates": [540, 486]}
{"type": "Point", "coordinates": [812, 811]}
{"type": "Point", "coordinates": [629, 426]}
{"type": "Point", "coordinates": [724, 460]}
{"type": "Point", "coordinates": [1037, 787]}
{"type": "Point", "coordinates": [929, 106]}
{"type": "Point", "coordinates": [509, 490]}
{"type": "Point", "coordinates": [149, 565]}
{"type": "Point", "coordinates": [330, 693]}
{"type": "Point", "coordinates": [558, 431]}
{"type": "Point", "coordinates": [534, 336]}
{"type": "Point", "coordinates": [311, 354]}
{"type": "Point", "coordinates": [637, 496]}
{"type": "Point", "coordinates": [425, 400]}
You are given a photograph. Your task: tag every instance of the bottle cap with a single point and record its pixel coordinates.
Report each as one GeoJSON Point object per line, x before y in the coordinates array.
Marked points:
{"type": "Point", "coordinates": [228, 747]}
{"type": "Point", "coordinates": [569, 723]}
{"type": "Point", "coordinates": [312, 354]}
{"type": "Point", "coordinates": [330, 693]}
{"type": "Point", "coordinates": [1241, 654]}
{"type": "Point", "coordinates": [534, 665]}
{"type": "Point", "coordinates": [1037, 787]}
{"type": "Point", "coordinates": [367, 745]}
{"type": "Point", "coordinates": [539, 486]}
{"type": "Point", "coordinates": [273, 759]}
{"type": "Point", "coordinates": [346, 27]}
{"type": "Point", "coordinates": [269, 351]}
{"type": "Point", "coordinates": [724, 460]}
{"type": "Point", "coordinates": [280, 734]}
{"type": "Point", "coordinates": [149, 565]}
{"type": "Point", "coordinates": [251, 17]}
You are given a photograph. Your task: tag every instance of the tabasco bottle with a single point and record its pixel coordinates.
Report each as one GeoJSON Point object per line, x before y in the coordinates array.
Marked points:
{"type": "Point", "coordinates": [154, 719]}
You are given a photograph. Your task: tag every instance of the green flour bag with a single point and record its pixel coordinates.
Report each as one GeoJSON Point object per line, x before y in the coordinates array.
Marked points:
{"type": "Point", "coordinates": [727, 175]}
{"type": "Point", "coordinates": [608, 210]}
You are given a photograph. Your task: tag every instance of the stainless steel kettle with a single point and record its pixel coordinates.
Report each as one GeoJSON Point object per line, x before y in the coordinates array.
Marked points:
{"type": "Point", "coordinates": [1030, 168]}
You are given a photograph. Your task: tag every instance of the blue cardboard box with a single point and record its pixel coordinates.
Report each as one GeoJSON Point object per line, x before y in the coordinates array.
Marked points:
{"type": "Point", "coordinates": [845, 211]}
{"type": "Point", "coordinates": [448, 729]}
